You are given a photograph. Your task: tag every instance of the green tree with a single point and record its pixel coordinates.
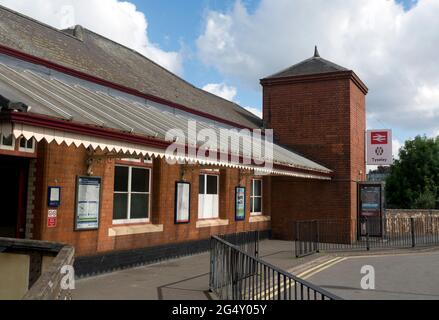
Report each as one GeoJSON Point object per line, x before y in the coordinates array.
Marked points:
{"type": "Point", "coordinates": [414, 178]}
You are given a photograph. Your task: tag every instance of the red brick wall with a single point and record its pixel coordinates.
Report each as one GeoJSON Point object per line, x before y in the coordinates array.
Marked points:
{"type": "Point", "coordinates": [59, 166]}
{"type": "Point", "coordinates": [358, 144]}
{"type": "Point", "coordinates": [325, 121]}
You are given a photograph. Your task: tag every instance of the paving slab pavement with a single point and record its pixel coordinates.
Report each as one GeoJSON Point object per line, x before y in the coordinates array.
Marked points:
{"type": "Point", "coordinates": [180, 279]}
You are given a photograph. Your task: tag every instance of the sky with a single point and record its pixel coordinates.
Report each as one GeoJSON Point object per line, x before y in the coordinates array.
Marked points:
{"type": "Point", "coordinates": [226, 46]}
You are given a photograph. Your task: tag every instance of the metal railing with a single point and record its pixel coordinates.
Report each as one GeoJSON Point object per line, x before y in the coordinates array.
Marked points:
{"type": "Point", "coordinates": [365, 234]}
{"type": "Point", "coordinates": [246, 241]}
{"type": "Point", "coordinates": [237, 275]}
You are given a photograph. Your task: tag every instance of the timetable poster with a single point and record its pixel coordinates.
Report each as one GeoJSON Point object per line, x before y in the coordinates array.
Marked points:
{"type": "Point", "coordinates": [88, 195]}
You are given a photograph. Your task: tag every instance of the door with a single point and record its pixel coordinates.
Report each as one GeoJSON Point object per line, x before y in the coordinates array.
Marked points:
{"type": "Point", "coordinates": [208, 197]}
{"type": "Point", "coordinates": [13, 189]}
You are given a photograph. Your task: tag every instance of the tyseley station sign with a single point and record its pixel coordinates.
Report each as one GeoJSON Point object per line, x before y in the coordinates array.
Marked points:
{"type": "Point", "coordinates": [379, 147]}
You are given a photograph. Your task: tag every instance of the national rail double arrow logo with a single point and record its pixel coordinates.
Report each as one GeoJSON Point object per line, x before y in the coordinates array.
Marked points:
{"type": "Point", "coordinates": [379, 137]}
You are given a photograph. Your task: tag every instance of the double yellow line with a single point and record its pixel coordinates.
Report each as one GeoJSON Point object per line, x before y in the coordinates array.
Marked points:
{"type": "Point", "coordinates": [319, 268]}
{"type": "Point", "coordinates": [274, 290]}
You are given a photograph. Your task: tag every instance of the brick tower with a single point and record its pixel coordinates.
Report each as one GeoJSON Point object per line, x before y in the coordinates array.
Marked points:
{"type": "Point", "coordinates": [317, 108]}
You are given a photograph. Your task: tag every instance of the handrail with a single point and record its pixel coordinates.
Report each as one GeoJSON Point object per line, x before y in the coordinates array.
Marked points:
{"type": "Point", "coordinates": [248, 240]}
{"type": "Point", "coordinates": [252, 266]}
{"type": "Point", "coordinates": [11, 245]}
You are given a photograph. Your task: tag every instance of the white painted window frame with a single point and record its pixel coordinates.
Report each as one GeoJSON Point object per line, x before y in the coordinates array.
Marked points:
{"type": "Point", "coordinates": [129, 193]}
{"type": "Point", "coordinates": [253, 197]}
{"type": "Point", "coordinates": [6, 147]}
{"type": "Point", "coordinates": [26, 149]}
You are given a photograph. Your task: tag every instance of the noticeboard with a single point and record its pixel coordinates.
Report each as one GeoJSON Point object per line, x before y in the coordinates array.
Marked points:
{"type": "Point", "coordinates": [88, 199]}
{"type": "Point", "coordinates": [370, 200]}
{"type": "Point", "coordinates": [182, 202]}
{"type": "Point", "coordinates": [54, 197]}
{"type": "Point", "coordinates": [371, 207]}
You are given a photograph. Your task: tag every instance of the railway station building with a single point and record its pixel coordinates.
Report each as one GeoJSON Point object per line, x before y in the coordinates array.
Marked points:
{"type": "Point", "coordinates": [83, 148]}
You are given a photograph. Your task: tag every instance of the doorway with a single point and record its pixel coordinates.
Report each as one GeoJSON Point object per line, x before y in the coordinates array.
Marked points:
{"type": "Point", "coordinates": [208, 196]}
{"type": "Point", "coordinates": [13, 195]}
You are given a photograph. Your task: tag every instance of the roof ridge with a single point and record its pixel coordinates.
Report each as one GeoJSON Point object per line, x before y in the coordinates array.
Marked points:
{"type": "Point", "coordinates": [315, 57]}
{"type": "Point", "coordinates": [232, 106]}
{"type": "Point", "coordinates": [334, 64]}
{"type": "Point", "coordinates": [290, 67]}
{"type": "Point", "coordinates": [48, 26]}
{"type": "Point", "coordinates": [163, 68]}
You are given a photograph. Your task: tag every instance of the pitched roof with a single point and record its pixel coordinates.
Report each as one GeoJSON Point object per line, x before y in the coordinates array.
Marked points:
{"type": "Point", "coordinates": [313, 65]}
{"type": "Point", "coordinates": [75, 102]}
{"type": "Point", "coordinates": [100, 57]}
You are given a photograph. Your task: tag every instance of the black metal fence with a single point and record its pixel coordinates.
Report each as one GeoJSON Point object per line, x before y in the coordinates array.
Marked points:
{"type": "Point", "coordinates": [246, 241]}
{"type": "Point", "coordinates": [236, 274]}
{"type": "Point", "coordinates": [365, 234]}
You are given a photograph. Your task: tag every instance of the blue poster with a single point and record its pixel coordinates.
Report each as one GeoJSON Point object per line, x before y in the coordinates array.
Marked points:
{"type": "Point", "coordinates": [240, 204]}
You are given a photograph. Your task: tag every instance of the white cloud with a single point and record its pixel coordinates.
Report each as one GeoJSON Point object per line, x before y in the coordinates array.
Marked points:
{"type": "Point", "coordinates": [117, 20]}
{"type": "Point", "coordinates": [255, 111]}
{"type": "Point", "coordinates": [222, 90]}
{"type": "Point", "coordinates": [392, 50]}
{"type": "Point", "coordinates": [229, 93]}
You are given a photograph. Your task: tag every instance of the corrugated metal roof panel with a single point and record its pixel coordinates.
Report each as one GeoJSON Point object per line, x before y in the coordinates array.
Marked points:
{"type": "Point", "coordinates": [59, 97]}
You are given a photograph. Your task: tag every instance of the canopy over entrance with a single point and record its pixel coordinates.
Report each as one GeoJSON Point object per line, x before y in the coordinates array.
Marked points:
{"type": "Point", "coordinates": [51, 106]}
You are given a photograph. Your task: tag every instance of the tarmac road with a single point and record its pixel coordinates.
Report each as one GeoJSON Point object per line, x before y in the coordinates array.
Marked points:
{"type": "Point", "coordinates": [397, 277]}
